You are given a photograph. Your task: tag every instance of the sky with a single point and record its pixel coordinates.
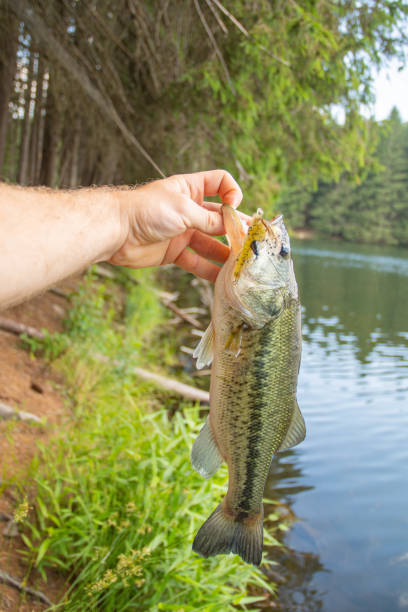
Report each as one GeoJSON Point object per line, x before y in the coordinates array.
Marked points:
{"type": "Point", "coordinates": [391, 89]}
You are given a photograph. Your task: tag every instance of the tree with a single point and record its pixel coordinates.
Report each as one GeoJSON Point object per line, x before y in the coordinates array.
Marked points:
{"type": "Point", "coordinates": [373, 210]}
{"type": "Point", "coordinates": [8, 51]}
{"type": "Point", "coordinates": [182, 86]}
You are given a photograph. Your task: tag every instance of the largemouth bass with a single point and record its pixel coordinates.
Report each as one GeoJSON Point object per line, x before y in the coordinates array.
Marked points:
{"type": "Point", "coordinates": [254, 344]}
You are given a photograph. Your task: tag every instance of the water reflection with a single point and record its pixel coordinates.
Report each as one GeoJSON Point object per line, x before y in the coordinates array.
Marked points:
{"type": "Point", "coordinates": [347, 482]}
{"type": "Point", "coordinates": [286, 478]}
{"type": "Point", "coordinates": [354, 295]}
{"type": "Point", "coordinates": [296, 567]}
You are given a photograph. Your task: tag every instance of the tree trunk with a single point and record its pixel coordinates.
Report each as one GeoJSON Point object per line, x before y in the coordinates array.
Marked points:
{"type": "Point", "coordinates": [65, 164]}
{"type": "Point", "coordinates": [36, 131]}
{"type": "Point", "coordinates": [25, 136]}
{"type": "Point", "coordinates": [8, 64]}
{"type": "Point", "coordinates": [74, 169]}
{"type": "Point", "coordinates": [51, 134]}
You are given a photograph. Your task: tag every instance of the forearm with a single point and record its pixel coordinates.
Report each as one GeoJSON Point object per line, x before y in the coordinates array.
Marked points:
{"type": "Point", "coordinates": [48, 235]}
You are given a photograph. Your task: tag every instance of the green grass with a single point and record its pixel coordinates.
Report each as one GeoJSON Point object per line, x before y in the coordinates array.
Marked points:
{"type": "Point", "coordinates": [117, 503]}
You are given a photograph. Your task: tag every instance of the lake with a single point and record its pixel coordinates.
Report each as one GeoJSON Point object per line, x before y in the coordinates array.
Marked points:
{"type": "Point", "coordinates": [348, 481]}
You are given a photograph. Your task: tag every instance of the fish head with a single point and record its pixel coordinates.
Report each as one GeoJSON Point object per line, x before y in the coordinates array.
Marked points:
{"type": "Point", "coordinates": [261, 277]}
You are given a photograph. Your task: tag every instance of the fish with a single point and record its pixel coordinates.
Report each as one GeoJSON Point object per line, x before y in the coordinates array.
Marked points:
{"type": "Point", "coordinates": [254, 345]}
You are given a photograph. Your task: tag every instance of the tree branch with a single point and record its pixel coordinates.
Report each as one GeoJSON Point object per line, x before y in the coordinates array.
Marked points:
{"type": "Point", "coordinates": [19, 328]}
{"type": "Point", "coordinates": [231, 16]}
{"type": "Point", "coordinates": [13, 582]}
{"type": "Point", "coordinates": [181, 313]}
{"type": "Point", "coordinates": [174, 385]}
{"type": "Point", "coordinates": [217, 17]}
{"type": "Point", "coordinates": [214, 44]}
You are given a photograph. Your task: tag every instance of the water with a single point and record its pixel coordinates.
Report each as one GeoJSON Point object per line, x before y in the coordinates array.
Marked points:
{"type": "Point", "coordinates": [348, 481]}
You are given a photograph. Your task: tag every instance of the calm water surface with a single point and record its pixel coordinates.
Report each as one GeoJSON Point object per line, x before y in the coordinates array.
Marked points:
{"type": "Point", "coordinates": [348, 481]}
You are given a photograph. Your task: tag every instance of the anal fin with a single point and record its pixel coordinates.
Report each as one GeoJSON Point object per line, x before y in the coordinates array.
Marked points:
{"type": "Point", "coordinates": [296, 432]}
{"type": "Point", "coordinates": [205, 456]}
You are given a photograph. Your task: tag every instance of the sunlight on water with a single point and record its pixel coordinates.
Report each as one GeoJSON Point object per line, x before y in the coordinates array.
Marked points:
{"type": "Point", "coordinates": [396, 265]}
{"type": "Point", "coordinates": [348, 481]}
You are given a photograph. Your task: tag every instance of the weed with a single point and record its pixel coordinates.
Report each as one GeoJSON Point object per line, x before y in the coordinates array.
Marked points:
{"type": "Point", "coordinates": [118, 503]}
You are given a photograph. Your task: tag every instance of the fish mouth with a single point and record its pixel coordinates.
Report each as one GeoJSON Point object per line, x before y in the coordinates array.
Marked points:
{"type": "Point", "coordinates": [243, 241]}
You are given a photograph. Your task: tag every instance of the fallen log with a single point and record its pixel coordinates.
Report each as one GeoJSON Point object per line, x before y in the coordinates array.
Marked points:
{"type": "Point", "coordinates": [13, 582]}
{"type": "Point", "coordinates": [19, 328]}
{"type": "Point", "coordinates": [169, 384]}
{"type": "Point", "coordinates": [7, 412]}
{"type": "Point", "coordinates": [174, 385]}
{"type": "Point", "coordinates": [104, 272]}
{"type": "Point", "coordinates": [59, 292]}
{"type": "Point", "coordinates": [181, 313]}
{"type": "Point", "coordinates": [11, 530]}
{"type": "Point", "coordinates": [166, 383]}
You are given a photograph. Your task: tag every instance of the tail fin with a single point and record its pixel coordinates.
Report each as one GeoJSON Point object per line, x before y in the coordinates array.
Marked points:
{"type": "Point", "coordinates": [221, 535]}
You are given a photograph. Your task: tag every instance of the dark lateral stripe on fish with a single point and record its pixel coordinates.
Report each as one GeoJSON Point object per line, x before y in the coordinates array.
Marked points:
{"type": "Point", "coordinates": [255, 420]}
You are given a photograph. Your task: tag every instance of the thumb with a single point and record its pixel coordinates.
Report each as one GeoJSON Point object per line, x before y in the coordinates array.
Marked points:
{"type": "Point", "coordinates": [207, 221]}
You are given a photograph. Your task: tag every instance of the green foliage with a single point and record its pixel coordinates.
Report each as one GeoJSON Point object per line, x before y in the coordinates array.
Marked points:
{"type": "Point", "coordinates": [297, 63]}
{"type": "Point", "coordinates": [253, 88]}
{"type": "Point", "coordinates": [50, 347]}
{"type": "Point", "coordinates": [374, 210]}
{"type": "Point", "coordinates": [117, 502]}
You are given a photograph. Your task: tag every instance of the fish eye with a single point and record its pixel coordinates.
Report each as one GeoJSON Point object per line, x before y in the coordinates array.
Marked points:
{"type": "Point", "coordinates": [254, 247]}
{"type": "Point", "coordinates": [284, 252]}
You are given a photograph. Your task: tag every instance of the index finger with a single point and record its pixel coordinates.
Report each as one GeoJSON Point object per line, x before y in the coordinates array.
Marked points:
{"type": "Point", "coordinates": [211, 183]}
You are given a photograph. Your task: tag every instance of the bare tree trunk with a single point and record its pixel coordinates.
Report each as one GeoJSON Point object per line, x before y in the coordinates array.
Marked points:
{"type": "Point", "coordinates": [25, 136]}
{"type": "Point", "coordinates": [65, 165]}
{"type": "Point", "coordinates": [12, 150]}
{"type": "Point", "coordinates": [8, 64]}
{"type": "Point", "coordinates": [74, 170]}
{"type": "Point", "coordinates": [35, 144]}
{"type": "Point", "coordinates": [51, 134]}
{"type": "Point", "coordinates": [25, 11]}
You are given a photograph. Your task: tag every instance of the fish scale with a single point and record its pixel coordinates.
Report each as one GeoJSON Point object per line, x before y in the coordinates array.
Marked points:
{"type": "Point", "coordinates": [254, 343]}
{"type": "Point", "coordinates": [267, 377]}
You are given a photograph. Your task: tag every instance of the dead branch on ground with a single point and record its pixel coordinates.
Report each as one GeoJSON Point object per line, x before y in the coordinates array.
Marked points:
{"type": "Point", "coordinates": [19, 328]}
{"type": "Point", "coordinates": [13, 582]}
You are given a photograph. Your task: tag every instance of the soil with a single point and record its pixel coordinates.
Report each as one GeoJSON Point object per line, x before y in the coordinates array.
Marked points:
{"type": "Point", "coordinates": [27, 383]}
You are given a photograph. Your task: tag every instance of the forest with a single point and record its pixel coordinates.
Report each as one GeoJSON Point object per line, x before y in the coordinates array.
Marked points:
{"type": "Point", "coordinates": [371, 210]}
{"type": "Point", "coordinates": [92, 93]}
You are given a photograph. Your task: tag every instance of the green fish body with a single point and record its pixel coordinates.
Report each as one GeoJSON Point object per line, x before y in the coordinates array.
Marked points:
{"type": "Point", "coordinates": [254, 342]}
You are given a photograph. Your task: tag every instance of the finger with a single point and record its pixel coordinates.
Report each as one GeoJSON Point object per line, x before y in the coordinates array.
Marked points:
{"type": "Point", "coordinates": [221, 182]}
{"type": "Point", "coordinates": [209, 247]}
{"type": "Point", "coordinates": [191, 262]}
{"type": "Point", "coordinates": [211, 183]}
{"type": "Point", "coordinates": [198, 217]}
{"type": "Point", "coordinates": [217, 207]}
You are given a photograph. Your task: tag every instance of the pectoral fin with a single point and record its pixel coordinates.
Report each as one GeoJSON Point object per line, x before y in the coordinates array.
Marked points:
{"type": "Point", "coordinates": [233, 343]}
{"type": "Point", "coordinates": [204, 350]}
{"type": "Point", "coordinates": [296, 432]}
{"type": "Point", "coordinates": [205, 456]}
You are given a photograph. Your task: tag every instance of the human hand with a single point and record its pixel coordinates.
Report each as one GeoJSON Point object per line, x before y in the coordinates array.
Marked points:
{"type": "Point", "coordinates": [161, 219]}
